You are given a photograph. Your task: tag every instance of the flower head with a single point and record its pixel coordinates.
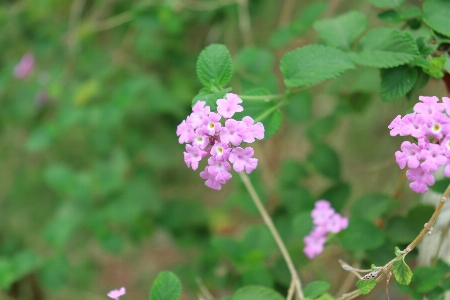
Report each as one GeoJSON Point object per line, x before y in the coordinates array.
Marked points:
{"type": "Point", "coordinates": [325, 220]}
{"type": "Point", "coordinates": [430, 126]}
{"type": "Point", "coordinates": [205, 134]}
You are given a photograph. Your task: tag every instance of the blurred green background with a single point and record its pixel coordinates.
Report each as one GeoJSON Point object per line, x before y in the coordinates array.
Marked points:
{"type": "Point", "coordinates": [94, 193]}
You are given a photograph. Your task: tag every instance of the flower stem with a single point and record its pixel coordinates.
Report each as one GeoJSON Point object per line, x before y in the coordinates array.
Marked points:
{"type": "Point", "coordinates": [268, 220]}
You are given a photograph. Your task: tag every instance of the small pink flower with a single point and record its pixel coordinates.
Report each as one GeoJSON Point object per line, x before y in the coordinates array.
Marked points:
{"type": "Point", "coordinates": [229, 106]}
{"type": "Point", "coordinates": [253, 130]}
{"type": "Point", "coordinates": [429, 105]}
{"type": "Point", "coordinates": [242, 159]}
{"type": "Point", "coordinates": [25, 66]}
{"type": "Point", "coordinates": [115, 294]}
{"type": "Point", "coordinates": [313, 245]}
{"type": "Point", "coordinates": [410, 155]}
{"type": "Point", "coordinates": [233, 132]}
{"type": "Point", "coordinates": [185, 131]}
{"type": "Point", "coordinates": [211, 181]}
{"type": "Point", "coordinates": [193, 156]}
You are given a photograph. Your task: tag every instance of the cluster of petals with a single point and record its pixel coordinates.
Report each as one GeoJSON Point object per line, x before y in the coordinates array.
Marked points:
{"type": "Point", "coordinates": [218, 137]}
{"type": "Point", "coordinates": [115, 294]}
{"type": "Point", "coordinates": [25, 66]}
{"type": "Point", "coordinates": [325, 220]}
{"type": "Point", "coordinates": [429, 124]}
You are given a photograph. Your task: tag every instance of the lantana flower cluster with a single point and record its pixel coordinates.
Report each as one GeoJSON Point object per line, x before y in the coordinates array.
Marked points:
{"type": "Point", "coordinates": [429, 124]}
{"type": "Point", "coordinates": [218, 136]}
{"type": "Point", "coordinates": [325, 220]}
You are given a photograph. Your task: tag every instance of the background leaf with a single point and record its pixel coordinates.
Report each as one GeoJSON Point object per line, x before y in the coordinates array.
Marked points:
{"type": "Point", "coordinates": [436, 15]}
{"type": "Point", "coordinates": [256, 292]}
{"type": "Point", "coordinates": [166, 286]}
{"type": "Point", "coordinates": [313, 63]}
{"type": "Point", "coordinates": [361, 235]}
{"type": "Point", "coordinates": [315, 289]}
{"type": "Point", "coordinates": [214, 66]}
{"type": "Point", "coordinates": [326, 161]}
{"type": "Point", "coordinates": [387, 3]}
{"type": "Point", "coordinates": [386, 48]}
{"type": "Point", "coordinates": [341, 31]}
{"type": "Point", "coordinates": [365, 286]}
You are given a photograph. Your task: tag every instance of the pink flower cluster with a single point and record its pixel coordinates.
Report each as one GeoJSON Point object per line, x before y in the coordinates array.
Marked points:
{"type": "Point", "coordinates": [430, 126]}
{"type": "Point", "coordinates": [207, 134]}
{"type": "Point", "coordinates": [325, 220]}
{"type": "Point", "coordinates": [115, 294]}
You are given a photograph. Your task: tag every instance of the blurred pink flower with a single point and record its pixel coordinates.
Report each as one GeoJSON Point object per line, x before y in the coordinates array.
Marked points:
{"type": "Point", "coordinates": [25, 66]}
{"type": "Point", "coordinates": [115, 294]}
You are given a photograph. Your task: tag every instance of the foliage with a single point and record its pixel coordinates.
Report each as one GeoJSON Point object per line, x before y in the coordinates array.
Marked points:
{"type": "Point", "coordinates": [94, 191]}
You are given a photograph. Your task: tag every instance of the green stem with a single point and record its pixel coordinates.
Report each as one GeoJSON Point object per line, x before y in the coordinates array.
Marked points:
{"type": "Point", "coordinates": [268, 220]}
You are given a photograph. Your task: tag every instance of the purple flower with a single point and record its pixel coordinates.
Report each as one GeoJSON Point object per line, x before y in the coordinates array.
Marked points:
{"type": "Point", "coordinates": [115, 294]}
{"type": "Point", "coordinates": [227, 107]}
{"type": "Point", "coordinates": [233, 132]}
{"type": "Point", "coordinates": [337, 223]}
{"type": "Point", "coordinates": [205, 134]}
{"type": "Point", "coordinates": [193, 156]}
{"type": "Point", "coordinates": [313, 245]}
{"type": "Point", "coordinates": [433, 158]}
{"type": "Point", "coordinates": [429, 105]}
{"type": "Point", "coordinates": [242, 159]}
{"type": "Point", "coordinates": [431, 127]}
{"type": "Point", "coordinates": [253, 130]}
{"type": "Point", "coordinates": [410, 155]}
{"type": "Point", "coordinates": [25, 66]}
{"type": "Point", "coordinates": [322, 212]}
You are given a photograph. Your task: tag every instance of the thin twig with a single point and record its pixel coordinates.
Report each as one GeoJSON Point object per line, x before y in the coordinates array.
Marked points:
{"type": "Point", "coordinates": [428, 227]}
{"type": "Point", "coordinates": [268, 220]}
{"type": "Point", "coordinates": [203, 290]}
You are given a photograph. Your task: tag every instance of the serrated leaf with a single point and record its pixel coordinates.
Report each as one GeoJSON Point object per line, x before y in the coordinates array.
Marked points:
{"type": "Point", "coordinates": [341, 31]}
{"type": "Point", "coordinates": [365, 286]}
{"type": "Point", "coordinates": [386, 48]}
{"type": "Point", "coordinates": [312, 64]}
{"type": "Point", "coordinates": [256, 292]}
{"type": "Point", "coordinates": [326, 161]}
{"type": "Point", "coordinates": [315, 289]}
{"type": "Point", "coordinates": [387, 3]}
{"type": "Point", "coordinates": [436, 15]}
{"type": "Point", "coordinates": [397, 82]}
{"type": "Point", "coordinates": [421, 82]}
{"type": "Point", "coordinates": [402, 272]}
{"type": "Point", "coordinates": [214, 66]}
{"type": "Point", "coordinates": [166, 286]}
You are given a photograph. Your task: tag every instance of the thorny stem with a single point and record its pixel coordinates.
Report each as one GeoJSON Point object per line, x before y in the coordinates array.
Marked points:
{"type": "Point", "coordinates": [428, 227]}
{"type": "Point", "coordinates": [251, 190]}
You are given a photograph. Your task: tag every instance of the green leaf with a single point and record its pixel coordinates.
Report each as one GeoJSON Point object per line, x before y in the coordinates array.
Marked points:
{"type": "Point", "coordinates": [386, 48]}
{"type": "Point", "coordinates": [387, 3]}
{"type": "Point", "coordinates": [259, 237]}
{"type": "Point", "coordinates": [421, 82]}
{"type": "Point", "coordinates": [436, 64]}
{"type": "Point", "coordinates": [166, 286]}
{"type": "Point", "coordinates": [411, 12]}
{"type": "Point", "coordinates": [55, 273]}
{"type": "Point", "coordinates": [402, 272]}
{"type": "Point", "coordinates": [427, 278]}
{"type": "Point", "coordinates": [214, 66]}
{"type": "Point", "coordinates": [337, 194]}
{"type": "Point", "coordinates": [256, 292]}
{"type": "Point", "coordinates": [365, 286]}
{"type": "Point", "coordinates": [299, 108]}
{"type": "Point", "coordinates": [379, 204]}
{"type": "Point", "coordinates": [228, 246]}
{"type": "Point", "coordinates": [254, 61]}
{"type": "Point", "coordinates": [326, 161]}
{"type": "Point", "coordinates": [341, 31]}
{"type": "Point", "coordinates": [321, 127]}
{"type": "Point", "coordinates": [397, 82]}
{"type": "Point", "coordinates": [391, 16]}
{"type": "Point", "coordinates": [258, 275]}
{"type": "Point", "coordinates": [312, 64]}
{"type": "Point", "coordinates": [302, 224]}
{"type": "Point", "coordinates": [361, 235]}
{"type": "Point", "coordinates": [400, 230]}
{"type": "Point", "coordinates": [315, 289]}
{"type": "Point", "coordinates": [436, 15]}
